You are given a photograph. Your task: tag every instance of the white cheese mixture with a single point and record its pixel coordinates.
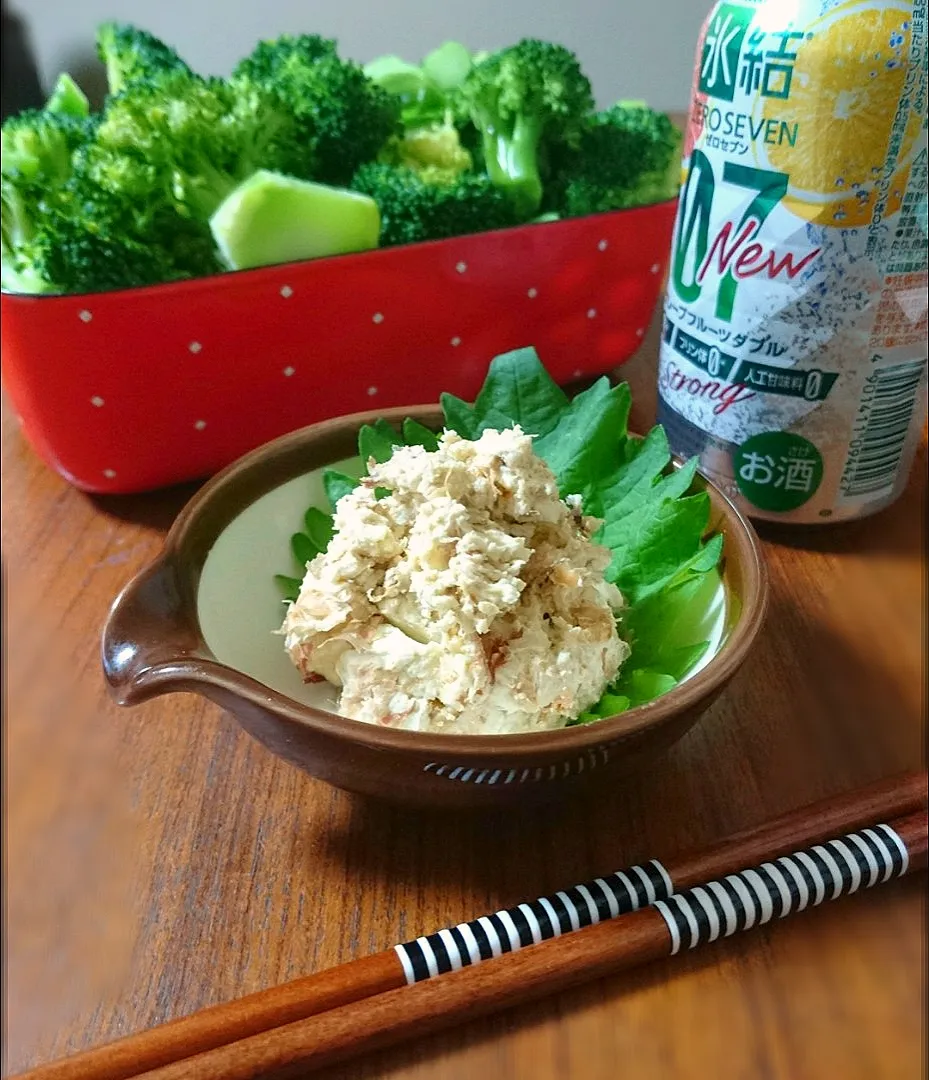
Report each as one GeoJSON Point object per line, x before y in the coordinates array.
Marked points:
{"type": "Point", "coordinates": [470, 600]}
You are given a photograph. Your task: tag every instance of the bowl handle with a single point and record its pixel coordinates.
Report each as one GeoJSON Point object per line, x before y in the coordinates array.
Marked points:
{"type": "Point", "coordinates": [150, 640]}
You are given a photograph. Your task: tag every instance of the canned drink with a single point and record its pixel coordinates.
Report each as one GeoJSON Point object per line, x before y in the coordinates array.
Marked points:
{"type": "Point", "coordinates": [793, 352]}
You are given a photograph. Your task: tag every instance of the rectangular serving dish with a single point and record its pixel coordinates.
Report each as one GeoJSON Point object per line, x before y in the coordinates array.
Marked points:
{"type": "Point", "coordinates": [137, 389]}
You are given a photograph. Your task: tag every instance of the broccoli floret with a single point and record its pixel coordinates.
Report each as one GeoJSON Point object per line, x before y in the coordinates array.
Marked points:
{"type": "Point", "coordinates": [89, 242]}
{"type": "Point", "coordinates": [80, 239]}
{"type": "Point", "coordinates": [132, 55]}
{"type": "Point", "coordinates": [521, 99]}
{"type": "Point", "coordinates": [36, 144]}
{"type": "Point", "coordinates": [346, 118]}
{"type": "Point", "coordinates": [196, 138]}
{"type": "Point", "coordinates": [628, 156]}
{"type": "Point", "coordinates": [430, 205]}
{"type": "Point", "coordinates": [18, 271]}
{"type": "Point", "coordinates": [437, 147]}
{"type": "Point", "coordinates": [285, 56]}
{"type": "Point", "coordinates": [126, 201]}
{"type": "Point", "coordinates": [38, 150]}
{"type": "Point", "coordinates": [85, 237]}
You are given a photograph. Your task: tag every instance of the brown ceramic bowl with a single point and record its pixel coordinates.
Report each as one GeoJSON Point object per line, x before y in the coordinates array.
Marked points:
{"type": "Point", "coordinates": [201, 618]}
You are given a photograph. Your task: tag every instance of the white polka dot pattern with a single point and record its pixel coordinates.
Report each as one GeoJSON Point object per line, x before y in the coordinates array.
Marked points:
{"type": "Point", "coordinates": [473, 297]}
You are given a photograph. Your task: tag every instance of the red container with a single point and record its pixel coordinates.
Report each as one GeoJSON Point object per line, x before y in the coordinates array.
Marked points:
{"type": "Point", "coordinates": [139, 388]}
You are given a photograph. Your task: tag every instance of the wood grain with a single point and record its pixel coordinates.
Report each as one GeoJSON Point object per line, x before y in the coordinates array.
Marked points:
{"type": "Point", "coordinates": [217, 1035]}
{"type": "Point", "coordinates": [159, 861]}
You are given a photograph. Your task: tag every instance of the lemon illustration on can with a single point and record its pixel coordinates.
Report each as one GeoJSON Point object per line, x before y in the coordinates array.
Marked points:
{"type": "Point", "coordinates": [847, 79]}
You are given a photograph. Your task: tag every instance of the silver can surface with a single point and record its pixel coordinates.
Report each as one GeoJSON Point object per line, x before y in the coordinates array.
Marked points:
{"type": "Point", "coordinates": [793, 352]}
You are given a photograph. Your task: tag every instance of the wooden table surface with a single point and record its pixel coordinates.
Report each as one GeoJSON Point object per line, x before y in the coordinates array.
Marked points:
{"type": "Point", "coordinates": [158, 860]}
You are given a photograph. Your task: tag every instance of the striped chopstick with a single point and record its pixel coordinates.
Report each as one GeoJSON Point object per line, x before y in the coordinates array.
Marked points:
{"type": "Point", "coordinates": [738, 902]}
{"type": "Point", "coordinates": [317, 1017]}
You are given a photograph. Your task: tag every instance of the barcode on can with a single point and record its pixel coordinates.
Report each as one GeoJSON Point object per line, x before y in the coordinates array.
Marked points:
{"type": "Point", "coordinates": [888, 400]}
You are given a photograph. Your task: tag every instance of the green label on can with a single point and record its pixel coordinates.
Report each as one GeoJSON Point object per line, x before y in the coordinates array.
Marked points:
{"type": "Point", "coordinates": [719, 62]}
{"type": "Point", "coordinates": [777, 470]}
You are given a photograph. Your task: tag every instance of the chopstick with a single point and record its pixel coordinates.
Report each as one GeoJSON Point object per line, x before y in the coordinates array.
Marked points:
{"type": "Point", "coordinates": [698, 916]}
{"type": "Point", "coordinates": [270, 1025]}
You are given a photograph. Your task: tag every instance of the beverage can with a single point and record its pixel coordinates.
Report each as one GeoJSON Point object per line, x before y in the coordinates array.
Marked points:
{"type": "Point", "coordinates": [793, 348]}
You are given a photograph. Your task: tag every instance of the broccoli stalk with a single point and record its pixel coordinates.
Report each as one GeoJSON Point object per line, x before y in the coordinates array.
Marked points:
{"type": "Point", "coordinates": [424, 90]}
{"type": "Point", "coordinates": [421, 101]}
{"type": "Point", "coordinates": [272, 218]}
{"type": "Point", "coordinates": [68, 98]}
{"type": "Point", "coordinates": [447, 66]}
{"type": "Point", "coordinates": [521, 99]}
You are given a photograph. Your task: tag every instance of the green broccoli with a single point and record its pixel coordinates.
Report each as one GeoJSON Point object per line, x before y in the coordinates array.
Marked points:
{"type": "Point", "coordinates": [424, 89]}
{"type": "Point", "coordinates": [132, 55]}
{"type": "Point", "coordinates": [19, 201]}
{"type": "Point", "coordinates": [68, 98]}
{"type": "Point", "coordinates": [429, 204]}
{"type": "Point", "coordinates": [521, 99]}
{"type": "Point", "coordinates": [437, 146]}
{"type": "Point", "coordinates": [88, 242]}
{"type": "Point", "coordinates": [125, 200]}
{"type": "Point", "coordinates": [36, 144]}
{"type": "Point", "coordinates": [448, 65]}
{"type": "Point", "coordinates": [421, 101]}
{"type": "Point", "coordinates": [629, 155]}
{"type": "Point", "coordinates": [38, 149]}
{"type": "Point", "coordinates": [285, 56]}
{"type": "Point", "coordinates": [270, 218]}
{"type": "Point", "coordinates": [80, 238]}
{"type": "Point", "coordinates": [346, 118]}
{"type": "Point", "coordinates": [194, 140]}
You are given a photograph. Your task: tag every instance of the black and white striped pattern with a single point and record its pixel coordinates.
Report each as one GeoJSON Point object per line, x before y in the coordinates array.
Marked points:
{"type": "Point", "coordinates": [789, 884]}
{"type": "Point", "coordinates": [528, 924]}
{"type": "Point", "coordinates": [560, 770]}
